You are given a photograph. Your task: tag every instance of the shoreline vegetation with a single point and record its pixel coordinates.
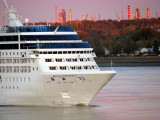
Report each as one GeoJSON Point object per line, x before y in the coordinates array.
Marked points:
{"type": "Point", "coordinates": [128, 61]}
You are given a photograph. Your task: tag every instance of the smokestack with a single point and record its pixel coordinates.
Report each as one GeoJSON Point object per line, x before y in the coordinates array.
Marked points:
{"type": "Point", "coordinates": [86, 16]}
{"type": "Point", "coordinates": [129, 13]}
{"type": "Point", "coordinates": [83, 17]}
{"type": "Point", "coordinates": [151, 15]}
{"type": "Point", "coordinates": [156, 15]}
{"type": "Point", "coordinates": [148, 13]}
{"type": "Point", "coordinates": [62, 16]}
{"type": "Point", "coordinates": [56, 13]}
{"type": "Point", "coordinates": [122, 14]}
{"type": "Point", "coordinates": [94, 18]}
{"type": "Point", "coordinates": [99, 17]}
{"type": "Point", "coordinates": [70, 15]}
{"type": "Point", "coordinates": [136, 14]}
{"type": "Point", "coordinates": [119, 20]}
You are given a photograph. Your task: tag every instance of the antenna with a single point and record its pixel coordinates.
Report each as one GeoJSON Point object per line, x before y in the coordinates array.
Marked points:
{"type": "Point", "coordinates": [5, 4]}
{"type": "Point", "coordinates": [117, 16]}
{"type": "Point", "coordinates": [56, 30]}
{"type": "Point", "coordinates": [37, 43]}
{"type": "Point", "coordinates": [111, 65]}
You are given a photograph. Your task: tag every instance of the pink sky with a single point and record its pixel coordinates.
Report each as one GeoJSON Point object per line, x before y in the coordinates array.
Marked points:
{"type": "Point", "coordinates": [37, 10]}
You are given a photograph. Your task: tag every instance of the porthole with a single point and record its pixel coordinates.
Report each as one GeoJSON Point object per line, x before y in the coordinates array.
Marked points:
{"type": "Point", "coordinates": [28, 79]}
{"type": "Point", "coordinates": [63, 78]}
{"type": "Point", "coordinates": [0, 79]}
{"type": "Point", "coordinates": [52, 79]}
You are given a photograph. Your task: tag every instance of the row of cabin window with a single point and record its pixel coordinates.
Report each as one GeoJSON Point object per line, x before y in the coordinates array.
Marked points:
{"type": "Point", "coordinates": [3, 61]}
{"type": "Point", "coordinates": [12, 53]}
{"type": "Point", "coordinates": [87, 67]}
{"type": "Point", "coordinates": [40, 29]}
{"type": "Point", "coordinates": [17, 79]}
{"type": "Point", "coordinates": [69, 59]}
{"type": "Point", "coordinates": [53, 45]}
{"type": "Point", "coordinates": [17, 69]}
{"type": "Point", "coordinates": [61, 52]}
{"type": "Point", "coordinates": [44, 52]}
{"type": "Point", "coordinates": [9, 87]}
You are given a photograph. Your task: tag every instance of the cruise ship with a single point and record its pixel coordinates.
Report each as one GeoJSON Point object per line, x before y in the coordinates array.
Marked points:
{"type": "Point", "coordinates": [46, 66]}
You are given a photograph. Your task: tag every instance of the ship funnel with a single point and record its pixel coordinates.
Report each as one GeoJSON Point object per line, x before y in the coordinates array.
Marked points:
{"type": "Point", "coordinates": [14, 19]}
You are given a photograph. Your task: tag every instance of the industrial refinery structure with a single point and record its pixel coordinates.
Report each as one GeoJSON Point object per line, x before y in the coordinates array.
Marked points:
{"type": "Point", "coordinates": [60, 15]}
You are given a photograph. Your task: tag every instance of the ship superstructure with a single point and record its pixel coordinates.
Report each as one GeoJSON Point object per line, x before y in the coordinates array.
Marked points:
{"type": "Point", "coordinates": [47, 66]}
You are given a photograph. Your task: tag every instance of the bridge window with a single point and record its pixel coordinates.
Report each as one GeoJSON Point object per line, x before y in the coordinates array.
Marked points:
{"type": "Point", "coordinates": [59, 52]}
{"type": "Point", "coordinates": [83, 59]}
{"type": "Point", "coordinates": [49, 60]}
{"type": "Point", "coordinates": [69, 52]}
{"type": "Point", "coordinates": [76, 67]}
{"type": "Point", "coordinates": [79, 67]}
{"type": "Point", "coordinates": [71, 59]}
{"type": "Point", "coordinates": [49, 37]}
{"type": "Point", "coordinates": [94, 67]}
{"type": "Point", "coordinates": [90, 59]}
{"type": "Point", "coordinates": [54, 52]}
{"type": "Point", "coordinates": [73, 52]}
{"type": "Point", "coordinates": [73, 67]}
{"type": "Point", "coordinates": [54, 45]}
{"type": "Point", "coordinates": [8, 46]}
{"type": "Point", "coordinates": [8, 38]}
{"type": "Point", "coordinates": [64, 52]}
{"type": "Point", "coordinates": [87, 67]}
{"type": "Point", "coordinates": [59, 60]}
{"type": "Point", "coordinates": [50, 52]}
{"type": "Point", "coordinates": [53, 68]}
{"type": "Point", "coordinates": [64, 67]}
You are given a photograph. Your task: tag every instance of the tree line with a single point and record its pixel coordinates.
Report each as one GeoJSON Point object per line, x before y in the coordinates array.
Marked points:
{"type": "Point", "coordinates": [125, 36]}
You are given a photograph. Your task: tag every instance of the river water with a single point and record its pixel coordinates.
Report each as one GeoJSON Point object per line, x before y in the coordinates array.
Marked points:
{"type": "Point", "coordinates": [133, 94]}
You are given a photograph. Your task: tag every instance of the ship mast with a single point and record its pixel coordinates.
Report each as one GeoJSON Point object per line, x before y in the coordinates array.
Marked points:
{"type": "Point", "coordinates": [14, 19]}
{"type": "Point", "coordinates": [6, 4]}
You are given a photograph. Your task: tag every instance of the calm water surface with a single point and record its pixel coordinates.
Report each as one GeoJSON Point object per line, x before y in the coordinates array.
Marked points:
{"type": "Point", "coordinates": [133, 94]}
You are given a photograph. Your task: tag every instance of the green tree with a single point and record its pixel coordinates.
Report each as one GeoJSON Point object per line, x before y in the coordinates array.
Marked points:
{"type": "Point", "coordinates": [117, 47]}
{"type": "Point", "coordinates": [130, 48]}
{"type": "Point", "coordinates": [99, 48]}
{"type": "Point", "coordinates": [140, 44]}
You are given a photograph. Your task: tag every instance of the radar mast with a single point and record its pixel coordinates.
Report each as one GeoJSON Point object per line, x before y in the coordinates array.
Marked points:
{"type": "Point", "coordinates": [14, 19]}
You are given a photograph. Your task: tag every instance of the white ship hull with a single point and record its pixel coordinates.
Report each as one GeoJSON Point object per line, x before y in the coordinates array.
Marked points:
{"type": "Point", "coordinates": [46, 66]}
{"type": "Point", "coordinates": [73, 90]}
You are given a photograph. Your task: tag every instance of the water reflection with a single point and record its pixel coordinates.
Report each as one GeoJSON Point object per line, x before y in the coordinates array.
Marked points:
{"type": "Point", "coordinates": [133, 94]}
{"type": "Point", "coordinates": [47, 113]}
